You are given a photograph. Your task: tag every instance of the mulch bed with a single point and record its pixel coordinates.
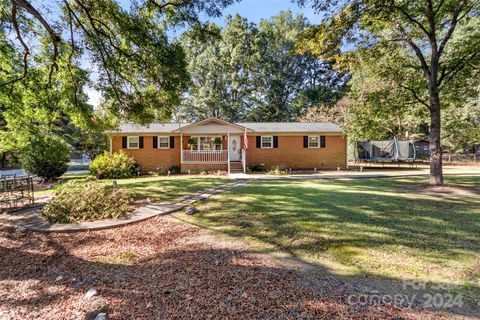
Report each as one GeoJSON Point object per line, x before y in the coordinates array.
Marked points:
{"type": "Point", "coordinates": [158, 269]}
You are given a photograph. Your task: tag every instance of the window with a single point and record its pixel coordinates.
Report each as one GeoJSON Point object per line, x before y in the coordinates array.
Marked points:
{"type": "Point", "coordinates": [163, 142]}
{"type": "Point", "coordinates": [133, 142]}
{"type": "Point", "coordinates": [207, 143]}
{"type": "Point", "coordinates": [314, 142]}
{"type": "Point", "coordinates": [267, 142]}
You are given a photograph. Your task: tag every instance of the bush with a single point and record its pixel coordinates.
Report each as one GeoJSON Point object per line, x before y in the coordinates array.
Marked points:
{"type": "Point", "coordinates": [84, 200]}
{"type": "Point", "coordinates": [175, 169]}
{"type": "Point", "coordinates": [46, 157]}
{"type": "Point", "coordinates": [114, 166]}
{"type": "Point", "coordinates": [256, 167]}
{"type": "Point", "coordinates": [276, 171]}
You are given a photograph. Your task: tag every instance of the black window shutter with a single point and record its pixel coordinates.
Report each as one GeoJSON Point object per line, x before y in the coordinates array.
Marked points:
{"type": "Point", "coordinates": [124, 142]}
{"type": "Point", "coordinates": [275, 141]}
{"type": "Point", "coordinates": [140, 142]}
{"type": "Point", "coordinates": [172, 142]}
{"type": "Point", "coordinates": [155, 143]}
{"type": "Point", "coordinates": [305, 141]}
{"type": "Point", "coordinates": [322, 142]}
{"type": "Point", "coordinates": [259, 142]}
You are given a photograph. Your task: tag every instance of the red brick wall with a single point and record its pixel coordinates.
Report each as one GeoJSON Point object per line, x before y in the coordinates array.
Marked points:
{"type": "Point", "coordinates": [148, 157]}
{"type": "Point", "coordinates": [291, 153]}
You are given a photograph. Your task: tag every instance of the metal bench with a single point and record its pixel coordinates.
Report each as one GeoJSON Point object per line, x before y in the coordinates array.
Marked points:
{"type": "Point", "coordinates": [16, 190]}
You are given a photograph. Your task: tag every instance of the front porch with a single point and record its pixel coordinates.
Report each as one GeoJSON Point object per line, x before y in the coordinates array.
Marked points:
{"type": "Point", "coordinates": [213, 143]}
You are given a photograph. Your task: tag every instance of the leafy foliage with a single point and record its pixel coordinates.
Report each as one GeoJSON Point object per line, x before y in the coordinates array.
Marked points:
{"type": "Point", "coordinates": [256, 167]}
{"type": "Point", "coordinates": [431, 47]}
{"type": "Point", "coordinates": [117, 165]}
{"type": "Point", "coordinates": [45, 156]}
{"type": "Point", "coordinates": [86, 200]}
{"type": "Point", "coordinates": [249, 72]}
{"type": "Point", "coordinates": [175, 169]}
{"type": "Point", "coordinates": [139, 70]}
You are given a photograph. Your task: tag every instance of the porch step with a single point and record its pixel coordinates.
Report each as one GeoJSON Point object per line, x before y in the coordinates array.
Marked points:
{"type": "Point", "coordinates": [236, 167]}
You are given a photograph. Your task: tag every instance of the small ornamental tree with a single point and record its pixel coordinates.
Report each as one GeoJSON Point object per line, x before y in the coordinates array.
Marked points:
{"type": "Point", "coordinates": [46, 157]}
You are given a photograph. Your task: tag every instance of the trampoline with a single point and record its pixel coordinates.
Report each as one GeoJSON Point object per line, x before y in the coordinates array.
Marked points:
{"type": "Point", "coordinates": [393, 150]}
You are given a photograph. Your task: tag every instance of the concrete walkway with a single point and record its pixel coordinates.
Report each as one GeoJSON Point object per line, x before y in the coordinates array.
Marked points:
{"type": "Point", "coordinates": [30, 218]}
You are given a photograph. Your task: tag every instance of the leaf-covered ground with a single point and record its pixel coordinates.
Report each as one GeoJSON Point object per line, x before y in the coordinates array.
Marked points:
{"type": "Point", "coordinates": [162, 269]}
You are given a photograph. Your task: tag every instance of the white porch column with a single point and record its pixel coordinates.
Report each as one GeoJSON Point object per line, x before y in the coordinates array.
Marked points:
{"type": "Point", "coordinates": [228, 152]}
{"type": "Point", "coordinates": [111, 147]}
{"type": "Point", "coordinates": [181, 147]}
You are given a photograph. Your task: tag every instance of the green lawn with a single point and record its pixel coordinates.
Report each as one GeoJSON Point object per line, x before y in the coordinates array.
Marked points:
{"type": "Point", "coordinates": [156, 188]}
{"type": "Point", "coordinates": [364, 228]}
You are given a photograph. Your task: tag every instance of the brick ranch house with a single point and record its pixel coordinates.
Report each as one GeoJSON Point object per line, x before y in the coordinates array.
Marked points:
{"type": "Point", "coordinates": [214, 144]}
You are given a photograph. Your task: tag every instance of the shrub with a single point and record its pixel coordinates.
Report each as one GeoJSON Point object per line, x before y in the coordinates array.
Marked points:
{"type": "Point", "coordinates": [114, 166]}
{"type": "Point", "coordinates": [86, 200]}
{"type": "Point", "coordinates": [175, 169]}
{"type": "Point", "coordinates": [256, 167]}
{"type": "Point", "coordinates": [276, 171]}
{"type": "Point", "coordinates": [46, 157]}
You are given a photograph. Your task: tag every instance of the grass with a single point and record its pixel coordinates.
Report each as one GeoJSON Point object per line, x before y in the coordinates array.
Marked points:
{"type": "Point", "coordinates": [155, 188]}
{"type": "Point", "coordinates": [360, 228]}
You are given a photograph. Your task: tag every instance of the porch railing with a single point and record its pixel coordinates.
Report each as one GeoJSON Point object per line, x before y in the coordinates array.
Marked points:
{"type": "Point", "coordinates": [212, 156]}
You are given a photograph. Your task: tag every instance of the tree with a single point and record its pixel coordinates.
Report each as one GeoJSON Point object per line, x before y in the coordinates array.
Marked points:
{"type": "Point", "coordinates": [426, 29]}
{"type": "Point", "coordinates": [139, 70]}
{"type": "Point", "coordinates": [45, 156]}
{"type": "Point", "coordinates": [252, 73]}
{"type": "Point", "coordinates": [220, 69]}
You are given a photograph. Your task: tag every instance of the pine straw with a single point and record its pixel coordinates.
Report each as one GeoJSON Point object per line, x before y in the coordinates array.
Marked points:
{"type": "Point", "coordinates": [166, 276]}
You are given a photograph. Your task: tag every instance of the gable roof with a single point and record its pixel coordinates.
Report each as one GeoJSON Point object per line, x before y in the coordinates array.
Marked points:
{"type": "Point", "coordinates": [209, 120]}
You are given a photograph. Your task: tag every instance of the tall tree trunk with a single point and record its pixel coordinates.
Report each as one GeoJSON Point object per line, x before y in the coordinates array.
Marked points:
{"type": "Point", "coordinates": [436, 170]}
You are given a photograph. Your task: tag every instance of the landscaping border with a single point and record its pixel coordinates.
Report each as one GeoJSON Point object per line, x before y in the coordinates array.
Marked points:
{"type": "Point", "coordinates": [30, 219]}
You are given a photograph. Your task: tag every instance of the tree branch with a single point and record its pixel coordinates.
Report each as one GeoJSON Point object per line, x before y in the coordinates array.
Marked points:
{"type": "Point", "coordinates": [26, 50]}
{"type": "Point", "coordinates": [415, 48]}
{"type": "Point", "coordinates": [413, 20]}
{"type": "Point", "coordinates": [448, 75]}
{"type": "Point", "coordinates": [453, 25]}
{"type": "Point", "coordinates": [55, 38]}
{"type": "Point", "coordinates": [415, 95]}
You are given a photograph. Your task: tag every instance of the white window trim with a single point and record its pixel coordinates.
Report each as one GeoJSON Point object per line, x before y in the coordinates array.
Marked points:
{"type": "Point", "coordinates": [206, 136]}
{"type": "Point", "coordinates": [271, 142]}
{"type": "Point", "coordinates": [128, 142]}
{"type": "Point", "coordinates": [319, 142]}
{"type": "Point", "coordinates": [163, 137]}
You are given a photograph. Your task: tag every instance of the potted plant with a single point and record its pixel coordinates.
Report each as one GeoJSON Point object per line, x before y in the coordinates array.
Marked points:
{"type": "Point", "coordinates": [192, 142]}
{"type": "Point", "coordinates": [218, 140]}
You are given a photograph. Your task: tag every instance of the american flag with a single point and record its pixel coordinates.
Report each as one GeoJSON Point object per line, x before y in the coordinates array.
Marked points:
{"type": "Point", "coordinates": [245, 140]}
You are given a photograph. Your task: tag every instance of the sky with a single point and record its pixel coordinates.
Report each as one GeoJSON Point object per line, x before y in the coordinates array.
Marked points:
{"type": "Point", "coordinates": [254, 11]}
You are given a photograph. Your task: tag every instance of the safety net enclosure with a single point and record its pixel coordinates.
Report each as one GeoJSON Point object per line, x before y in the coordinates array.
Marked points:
{"type": "Point", "coordinates": [384, 150]}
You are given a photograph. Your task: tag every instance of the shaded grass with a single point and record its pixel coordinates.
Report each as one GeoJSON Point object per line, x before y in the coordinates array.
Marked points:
{"type": "Point", "coordinates": [155, 188]}
{"type": "Point", "coordinates": [360, 227]}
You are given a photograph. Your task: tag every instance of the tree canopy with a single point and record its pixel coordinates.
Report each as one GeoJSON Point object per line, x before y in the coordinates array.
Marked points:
{"type": "Point", "coordinates": [252, 72]}
{"type": "Point", "coordinates": [425, 50]}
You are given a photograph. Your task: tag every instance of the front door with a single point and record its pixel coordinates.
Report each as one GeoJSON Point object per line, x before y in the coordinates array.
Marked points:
{"type": "Point", "coordinates": [235, 148]}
